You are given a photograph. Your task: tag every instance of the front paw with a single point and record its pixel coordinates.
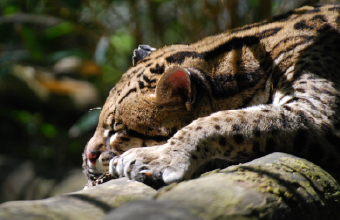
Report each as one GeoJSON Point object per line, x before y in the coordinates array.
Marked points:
{"type": "Point", "coordinates": [154, 166]}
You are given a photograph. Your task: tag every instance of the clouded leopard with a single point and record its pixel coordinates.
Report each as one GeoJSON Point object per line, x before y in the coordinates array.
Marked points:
{"type": "Point", "coordinates": [265, 87]}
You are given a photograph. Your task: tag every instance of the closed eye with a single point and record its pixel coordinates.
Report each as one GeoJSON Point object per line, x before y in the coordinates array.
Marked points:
{"type": "Point", "coordinates": [107, 140]}
{"type": "Point", "coordinates": [112, 132]}
{"type": "Point", "coordinates": [118, 126]}
{"type": "Point", "coordinates": [112, 124]}
{"type": "Point", "coordinates": [136, 134]}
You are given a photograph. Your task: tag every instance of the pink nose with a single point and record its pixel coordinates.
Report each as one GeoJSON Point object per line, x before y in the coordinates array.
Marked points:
{"type": "Point", "coordinates": [92, 156]}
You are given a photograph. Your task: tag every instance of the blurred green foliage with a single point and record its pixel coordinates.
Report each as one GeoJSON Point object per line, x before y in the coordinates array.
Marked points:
{"type": "Point", "coordinates": [41, 118]}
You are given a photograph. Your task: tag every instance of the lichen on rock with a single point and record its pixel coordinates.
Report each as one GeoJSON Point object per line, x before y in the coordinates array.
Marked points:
{"type": "Point", "coordinates": [276, 186]}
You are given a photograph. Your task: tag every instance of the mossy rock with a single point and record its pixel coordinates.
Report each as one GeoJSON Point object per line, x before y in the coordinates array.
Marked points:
{"type": "Point", "coordinates": [277, 186]}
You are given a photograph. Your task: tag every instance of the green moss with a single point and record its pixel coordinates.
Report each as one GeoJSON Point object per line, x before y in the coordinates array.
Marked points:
{"type": "Point", "coordinates": [122, 199]}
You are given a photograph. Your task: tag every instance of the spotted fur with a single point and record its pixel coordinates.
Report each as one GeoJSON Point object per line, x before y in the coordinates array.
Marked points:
{"type": "Point", "coordinates": [270, 86]}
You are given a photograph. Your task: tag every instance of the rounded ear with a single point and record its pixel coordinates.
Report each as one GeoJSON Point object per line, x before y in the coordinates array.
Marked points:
{"type": "Point", "coordinates": [173, 84]}
{"type": "Point", "coordinates": [140, 53]}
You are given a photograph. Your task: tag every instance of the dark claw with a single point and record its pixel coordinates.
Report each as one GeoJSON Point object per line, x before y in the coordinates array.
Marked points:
{"type": "Point", "coordinates": [150, 178]}
{"type": "Point", "coordinates": [105, 177]}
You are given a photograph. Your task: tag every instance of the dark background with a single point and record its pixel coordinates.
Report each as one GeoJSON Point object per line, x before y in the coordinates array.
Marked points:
{"type": "Point", "coordinates": [60, 58]}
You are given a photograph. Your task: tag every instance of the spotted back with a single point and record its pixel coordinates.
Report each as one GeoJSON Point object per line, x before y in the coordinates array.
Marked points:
{"type": "Point", "coordinates": [269, 86]}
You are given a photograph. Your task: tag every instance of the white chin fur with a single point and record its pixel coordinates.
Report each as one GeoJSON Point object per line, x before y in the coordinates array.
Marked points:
{"type": "Point", "coordinates": [91, 166]}
{"type": "Point", "coordinates": [100, 166]}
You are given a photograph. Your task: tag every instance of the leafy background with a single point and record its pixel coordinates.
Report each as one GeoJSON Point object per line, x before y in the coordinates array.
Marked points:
{"type": "Point", "coordinates": [60, 58]}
